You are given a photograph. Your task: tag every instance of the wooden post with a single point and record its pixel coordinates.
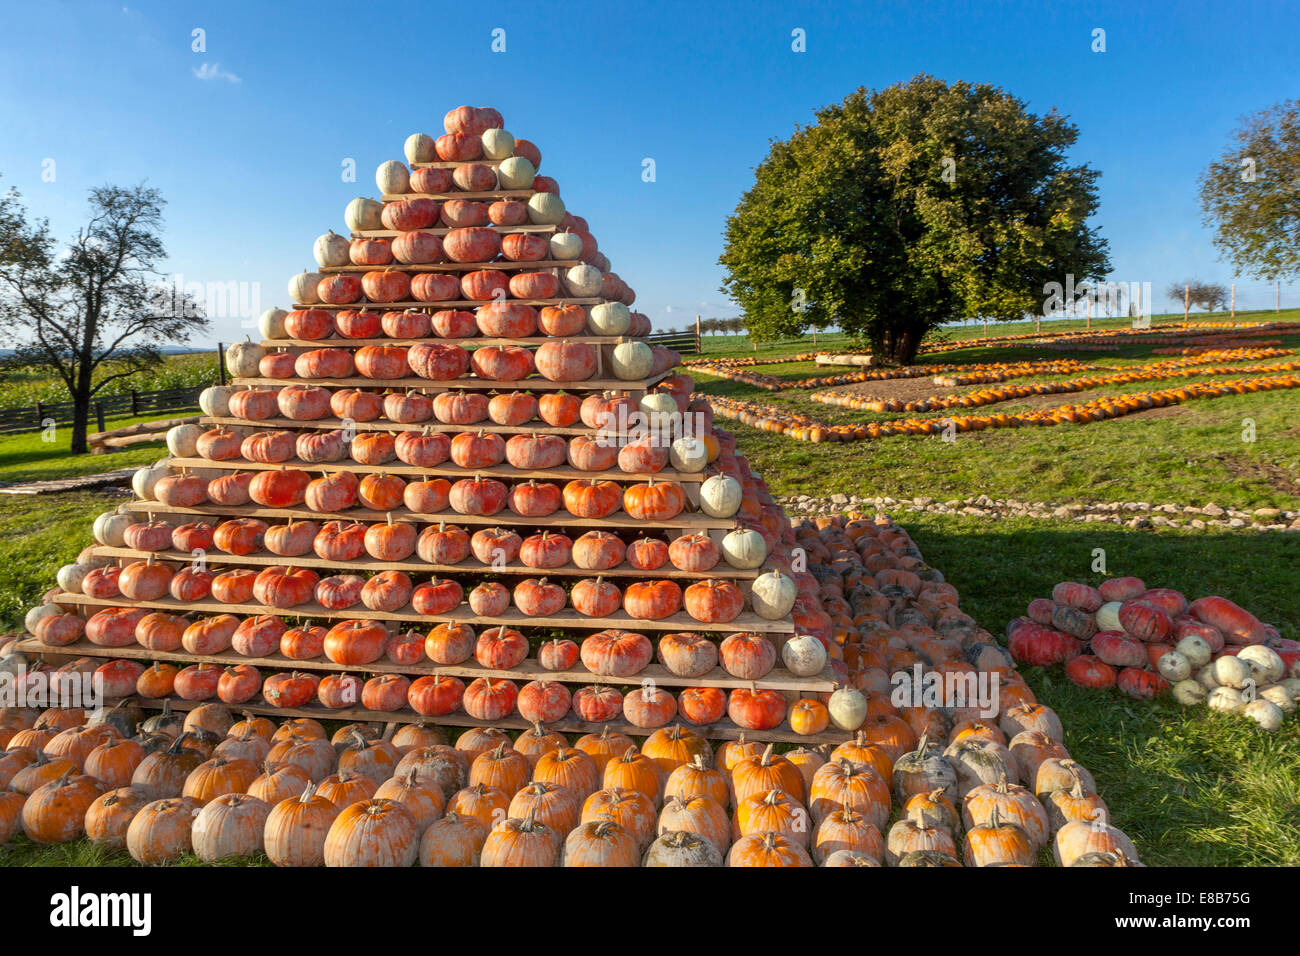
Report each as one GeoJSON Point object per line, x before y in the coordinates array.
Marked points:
{"type": "Point", "coordinates": [1234, 300]}
{"type": "Point", "coordinates": [1187, 300]}
{"type": "Point", "coordinates": [99, 416]}
{"type": "Point", "coordinates": [1277, 301]}
{"type": "Point", "coordinates": [135, 410]}
{"type": "Point", "coordinates": [1038, 323]}
{"type": "Point", "coordinates": [699, 344]}
{"type": "Point", "coordinates": [39, 417]}
{"type": "Point", "coordinates": [1139, 315]}
{"type": "Point", "coordinates": [221, 365]}
{"type": "Point", "coordinates": [986, 328]}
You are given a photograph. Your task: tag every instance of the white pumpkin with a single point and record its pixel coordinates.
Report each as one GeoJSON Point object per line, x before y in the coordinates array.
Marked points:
{"type": "Point", "coordinates": [689, 454]}
{"type": "Point", "coordinates": [331, 249]}
{"type": "Point", "coordinates": [1174, 667]}
{"type": "Point", "coordinates": [1205, 677]}
{"type": "Point", "coordinates": [631, 361]}
{"type": "Point", "coordinates": [363, 213]}
{"type": "Point", "coordinates": [609, 318]}
{"type": "Point", "coordinates": [744, 548]}
{"type": "Point", "coordinates": [1264, 663]}
{"type": "Point", "coordinates": [721, 496]}
{"type": "Point", "coordinates": [109, 528]}
{"type": "Point", "coordinates": [182, 440]}
{"type": "Point", "coordinates": [1292, 684]}
{"type": "Point", "coordinates": [1196, 649]}
{"type": "Point", "coordinates": [848, 708]}
{"type": "Point", "coordinates": [1189, 693]}
{"type": "Point", "coordinates": [659, 409]}
{"type": "Point", "coordinates": [215, 400]}
{"type": "Point", "coordinates": [37, 614]}
{"type": "Point", "coordinates": [1265, 713]}
{"type": "Point", "coordinates": [803, 655]}
{"type": "Point", "coordinates": [498, 144]}
{"type": "Point", "coordinates": [302, 287]}
{"type": "Point", "coordinates": [1281, 695]}
{"type": "Point", "coordinates": [70, 577]}
{"type": "Point", "coordinates": [517, 173]}
{"type": "Point", "coordinates": [420, 148]}
{"type": "Point", "coordinates": [393, 177]}
{"type": "Point", "coordinates": [271, 324]}
{"type": "Point", "coordinates": [243, 358]}
{"type": "Point", "coordinates": [1108, 616]}
{"type": "Point", "coordinates": [566, 245]}
{"type": "Point", "coordinates": [583, 280]}
{"type": "Point", "coordinates": [1231, 672]}
{"type": "Point", "coordinates": [144, 480]}
{"type": "Point", "coordinates": [772, 596]}
{"type": "Point", "coordinates": [1226, 700]}
{"type": "Point", "coordinates": [545, 209]}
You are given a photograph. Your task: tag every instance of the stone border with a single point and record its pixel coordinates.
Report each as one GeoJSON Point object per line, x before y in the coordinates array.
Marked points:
{"type": "Point", "coordinates": [1130, 514]}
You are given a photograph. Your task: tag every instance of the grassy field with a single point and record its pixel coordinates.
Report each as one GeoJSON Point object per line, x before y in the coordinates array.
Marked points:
{"type": "Point", "coordinates": [23, 386]}
{"type": "Point", "coordinates": [1191, 787]}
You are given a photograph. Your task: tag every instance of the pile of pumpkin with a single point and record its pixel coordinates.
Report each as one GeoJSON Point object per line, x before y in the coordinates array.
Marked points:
{"type": "Point", "coordinates": [225, 789]}
{"type": "Point", "coordinates": [1147, 641]}
{"type": "Point", "coordinates": [803, 428]}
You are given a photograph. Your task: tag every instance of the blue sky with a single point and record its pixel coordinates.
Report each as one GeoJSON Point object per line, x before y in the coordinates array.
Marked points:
{"type": "Point", "coordinates": [246, 140]}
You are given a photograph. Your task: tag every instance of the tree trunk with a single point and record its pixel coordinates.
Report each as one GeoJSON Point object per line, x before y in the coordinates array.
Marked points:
{"type": "Point", "coordinates": [81, 410]}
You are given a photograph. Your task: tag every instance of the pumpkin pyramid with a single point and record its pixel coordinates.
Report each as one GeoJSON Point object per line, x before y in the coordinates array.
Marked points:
{"type": "Point", "coordinates": [455, 484]}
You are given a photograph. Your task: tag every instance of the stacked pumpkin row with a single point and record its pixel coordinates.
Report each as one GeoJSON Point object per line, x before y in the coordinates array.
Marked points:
{"type": "Point", "coordinates": [495, 319]}
{"type": "Point", "coordinates": [803, 428]}
{"type": "Point", "coordinates": [611, 414]}
{"type": "Point", "coordinates": [469, 450]}
{"type": "Point", "coordinates": [556, 360]}
{"type": "Point", "coordinates": [617, 656]}
{"type": "Point", "coordinates": [993, 372]}
{"type": "Point", "coordinates": [1122, 634]}
{"type": "Point", "coordinates": [224, 789]}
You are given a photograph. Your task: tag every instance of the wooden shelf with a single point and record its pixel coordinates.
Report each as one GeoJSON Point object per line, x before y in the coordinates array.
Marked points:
{"type": "Point", "coordinates": [471, 343]}
{"type": "Point", "coordinates": [444, 197]}
{"type": "Point", "coordinates": [504, 265]}
{"type": "Point", "coordinates": [529, 669]}
{"type": "Point", "coordinates": [569, 618]}
{"type": "Point", "coordinates": [693, 522]}
{"type": "Point", "coordinates": [382, 425]}
{"type": "Point", "coordinates": [366, 305]}
{"type": "Point", "coordinates": [470, 565]}
{"type": "Point", "coordinates": [722, 730]}
{"type": "Point", "coordinates": [446, 469]}
{"type": "Point", "coordinates": [533, 383]}
{"type": "Point", "coordinates": [443, 230]}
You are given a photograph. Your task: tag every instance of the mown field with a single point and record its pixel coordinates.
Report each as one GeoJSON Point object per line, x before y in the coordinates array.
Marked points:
{"type": "Point", "coordinates": [1191, 787]}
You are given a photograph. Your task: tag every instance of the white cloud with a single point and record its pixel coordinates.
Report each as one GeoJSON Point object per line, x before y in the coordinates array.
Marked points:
{"type": "Point", "coordinates": [213, 71]}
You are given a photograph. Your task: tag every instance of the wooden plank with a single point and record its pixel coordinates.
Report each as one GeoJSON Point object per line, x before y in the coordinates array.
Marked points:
{"type": "Point", "coordinates": [538, 427]}
{"type": "Point", "coordinates": [503, 265]}
{"type": "Point", "coordinates": [535, 383]}
{"type": "Point", "coordinates": [339, 342]}
{"type": "Point", "coordinates": [528, 670]}
{"type": "Point", "coordinates": [471, 565]}
{"type": "Point", "coordinates": [561, 473]}
{"type": "Point", "coordinates": [558, 520]}
{"type": "Point", "coordinates": [450, 304]}
{"type": "Point", "coordinates": [722, 730]}
{"type": "Point", "coordinates": [443, 230]}
{"type": "Point", "coordinates": [568, 618]}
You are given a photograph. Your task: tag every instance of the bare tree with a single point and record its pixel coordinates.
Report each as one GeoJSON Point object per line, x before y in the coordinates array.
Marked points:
{"type": "Point", "coordinates": [1210, 296]}
{"type": "Point", "coordinates": [97, 301]}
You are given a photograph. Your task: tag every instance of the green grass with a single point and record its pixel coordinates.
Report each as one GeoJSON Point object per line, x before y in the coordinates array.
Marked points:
{"type": "Point", "coordinates": [24, 386]}
{"type": "Point", "coordinates": [27, 456]}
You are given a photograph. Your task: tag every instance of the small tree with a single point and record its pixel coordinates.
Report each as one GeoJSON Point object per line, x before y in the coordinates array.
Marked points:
{"type": "Point", "coordinates": [1210, 296]}
{"type": "Point", "coordinates": [97, 302]}
{"type": "Point", "coordinates": [1250, 195]}
{"type": "Point", "coordinates": [904, 208]}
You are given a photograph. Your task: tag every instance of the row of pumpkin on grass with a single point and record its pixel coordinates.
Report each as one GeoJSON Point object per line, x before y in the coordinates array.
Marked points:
{"type": "Point", "coordinates": [229, 789]}
{"type": "Point", "coordinates": [986, 372]}
{"type": "Point", "coordinates": [1149, 642]}
{"type": "Point", "coordinates": [801, 427]}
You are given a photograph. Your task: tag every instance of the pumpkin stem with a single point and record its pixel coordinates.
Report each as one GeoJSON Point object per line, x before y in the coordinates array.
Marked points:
{"type": "Point", "coordinates": [628, 755]}
{"type": "Point", "coordinates": [1002, 783]}
{"type": "Point", "coordinates": [767, 756]}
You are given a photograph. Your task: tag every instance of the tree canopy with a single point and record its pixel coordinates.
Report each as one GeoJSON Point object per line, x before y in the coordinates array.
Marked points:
{"type": "Point", "coordinates": [903, 208]}
{"type": "Point", "coordinates": [1250, 195]}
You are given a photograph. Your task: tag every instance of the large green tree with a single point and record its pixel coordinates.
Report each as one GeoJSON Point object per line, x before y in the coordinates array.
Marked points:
{"type": "Point", "coordinates": [904, 208]}
{"type": "Point", "coordinates": [1251, 194]}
